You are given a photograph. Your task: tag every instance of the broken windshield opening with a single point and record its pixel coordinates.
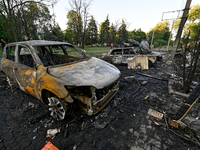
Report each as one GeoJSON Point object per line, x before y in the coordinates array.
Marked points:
{"type": "Point", "coordinates": [51, 55]}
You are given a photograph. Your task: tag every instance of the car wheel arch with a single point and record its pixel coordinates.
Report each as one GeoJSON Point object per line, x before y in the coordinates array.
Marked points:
{"type": "Point", "coordinates": [45, 94]}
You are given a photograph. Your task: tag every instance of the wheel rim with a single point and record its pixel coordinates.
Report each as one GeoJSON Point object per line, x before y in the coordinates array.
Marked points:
{"type": "Point", "coordinates": [57, 108]}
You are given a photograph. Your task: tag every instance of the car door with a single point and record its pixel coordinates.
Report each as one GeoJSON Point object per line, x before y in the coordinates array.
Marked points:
{"type": "Point", "coordinates": [25, 70]}
{"type": "Point", "coordinates": [8, 63]}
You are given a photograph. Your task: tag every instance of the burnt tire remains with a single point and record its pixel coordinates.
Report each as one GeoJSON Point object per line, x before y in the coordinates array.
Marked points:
{"type": "Point", "coordinates": [184, 109]}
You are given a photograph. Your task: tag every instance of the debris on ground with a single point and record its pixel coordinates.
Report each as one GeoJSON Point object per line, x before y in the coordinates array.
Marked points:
{"type": "Point", "coordinates": [49, 146]}
{"type": "Point", "coordinates": [144, 82]}
{"type": "Point", "coordinates": [155, 113]}
{"type": "Point", "coordinates": [51, 133]}
{"type": "Point", "coordinates": [123, 124]}
{"type": "Point", "coordinates": [140, 60]}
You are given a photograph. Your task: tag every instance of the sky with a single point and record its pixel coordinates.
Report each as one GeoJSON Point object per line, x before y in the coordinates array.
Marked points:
{"type": "Point", "coordinates": [144, 14]}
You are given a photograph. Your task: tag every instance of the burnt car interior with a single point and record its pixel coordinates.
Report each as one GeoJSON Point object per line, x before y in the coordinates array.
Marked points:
{"type": "Point", "coordinates": [123, 51]}
{"type": "Point", "coordinates": [50, 55]}
{"type": "Point", "coordinates": [58, 54]}
{"type": "Point", "coordinates": [116, 52]}
{"type": "Point", "coordinates": [25, 57]}
{"type": "Point", "coordinates": [129, 51]}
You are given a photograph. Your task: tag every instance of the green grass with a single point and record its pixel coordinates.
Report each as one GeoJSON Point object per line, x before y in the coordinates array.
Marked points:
{"type": "Point", "coordinates": [95, 50]}
{"type": "Point", "coordinates": [90, 50]}
{"type": "Point", "coordinates": [165, 48]}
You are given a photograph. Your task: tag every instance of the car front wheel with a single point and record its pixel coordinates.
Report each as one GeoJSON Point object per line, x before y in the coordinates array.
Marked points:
{"type": "Point", "coordinates": [57, 107]}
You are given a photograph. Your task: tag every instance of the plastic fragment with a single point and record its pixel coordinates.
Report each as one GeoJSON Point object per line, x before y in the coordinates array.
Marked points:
{"type": "Point", "coordinates": [52, 133]}
{"type": "Point", "coordinates": [49, 146]}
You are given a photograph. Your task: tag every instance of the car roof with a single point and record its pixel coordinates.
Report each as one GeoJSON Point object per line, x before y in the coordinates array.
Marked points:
{"type": "Point", "coordinates": [41, 43]}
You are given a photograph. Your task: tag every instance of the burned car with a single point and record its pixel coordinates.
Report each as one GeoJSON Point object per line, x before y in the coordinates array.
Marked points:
{"type": "Point", "coordinates": [121, 55]}
{"type": "Point", "coordinates": [59, 74]}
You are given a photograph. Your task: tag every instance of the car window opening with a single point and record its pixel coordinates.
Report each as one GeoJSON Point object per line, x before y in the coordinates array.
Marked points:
{"type": "Point", "coordinates": [51, 55]}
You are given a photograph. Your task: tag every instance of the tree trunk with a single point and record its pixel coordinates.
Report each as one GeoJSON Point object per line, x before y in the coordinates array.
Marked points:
{"type": "Point", "coordinates": [11, 20]}
{"type": "Point", "coordinates": [178, 36]}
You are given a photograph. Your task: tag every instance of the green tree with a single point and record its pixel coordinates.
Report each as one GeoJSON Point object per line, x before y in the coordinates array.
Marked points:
{"type": "Point", "coordinates": [78, 15]}
{"type": "Point", "coordinates": [137, 35]}
{"type": "Point", "coordinates": [24, 18]}
{"type": "Point", "coordinates": [192, 24]}
{"type": "Point", "coordinates": [104, 35]}
{"type": "Point", "coordinates": [34, 16]}
{"type": "Point", "coordinates": [69, 36]}
{"type": "Point", "coordinates": [123, 33]}
{"type": "Point", "coordinates": [54, 34]}
{"type": "Point", "coordinates": [75, 24]}
{"type": "Point", "coordinates": [113, 32]}
{"type": "Point", "coordinates": [161, 33]}
{"type": "Point", "coordinates": [5, 32]}
{"type": "Point", "coordinates": [92, 33]}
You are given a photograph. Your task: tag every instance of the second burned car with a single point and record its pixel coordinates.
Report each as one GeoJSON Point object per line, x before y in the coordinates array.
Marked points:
{"type": "Point", "coordinates": [60, 74]}
{"type": "Point", "coordinates": [121, 55]}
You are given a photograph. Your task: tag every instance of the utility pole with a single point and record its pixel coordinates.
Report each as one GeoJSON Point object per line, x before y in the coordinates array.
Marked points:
{"type": "Point", "coordinates": [170, 35]}
{"type": "Point", "coordinates": [180, 29]}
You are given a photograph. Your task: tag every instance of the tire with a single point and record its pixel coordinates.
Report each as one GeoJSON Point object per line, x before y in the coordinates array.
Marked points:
{"type": "Point", "coordinates": [185, 108]}
{"type": "Point", "coordinates": [57, 107]}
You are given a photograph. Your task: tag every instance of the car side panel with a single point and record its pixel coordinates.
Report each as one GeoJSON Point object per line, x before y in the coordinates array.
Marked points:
{"type": "Point", "coordinates": [25, 77]}
{"type": "Point", "coordinates": [7, 67]}
{"type": "Point", "coordinates": [50, 83]}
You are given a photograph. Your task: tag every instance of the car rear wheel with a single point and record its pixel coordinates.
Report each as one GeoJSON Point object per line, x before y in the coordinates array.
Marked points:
{"type": "Point", "coordinates": [58, 108]}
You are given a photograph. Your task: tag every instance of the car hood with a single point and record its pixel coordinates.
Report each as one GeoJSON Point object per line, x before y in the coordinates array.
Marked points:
{"type": "Point", "coordinates": [92, 72]}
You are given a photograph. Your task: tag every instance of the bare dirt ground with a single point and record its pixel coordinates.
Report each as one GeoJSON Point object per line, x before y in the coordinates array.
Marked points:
{"type": "Point", "coordinates": [123, 124]}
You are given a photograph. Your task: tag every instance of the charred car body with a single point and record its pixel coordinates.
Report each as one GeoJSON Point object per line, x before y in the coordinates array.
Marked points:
{"type": "Point", "coordinates": [59, 74]}
{"type": "Point", "coordinates": [121, 55]}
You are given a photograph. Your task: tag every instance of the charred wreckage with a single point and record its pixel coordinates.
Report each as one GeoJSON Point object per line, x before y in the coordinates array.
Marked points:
{"type": "Point", "coordinates": [130, 51]}
{"type": "Point", "coordinates": [60, 74]}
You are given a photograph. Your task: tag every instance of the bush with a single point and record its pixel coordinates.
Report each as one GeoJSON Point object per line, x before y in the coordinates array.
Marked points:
{"type": "Point", "coordinates": [161, 42]}
{"type": "Point", "coordinates": [155, 44]}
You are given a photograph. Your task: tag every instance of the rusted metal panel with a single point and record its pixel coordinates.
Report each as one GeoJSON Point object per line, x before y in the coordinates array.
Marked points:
{"type": "Point", "coordinates": [140, 60]}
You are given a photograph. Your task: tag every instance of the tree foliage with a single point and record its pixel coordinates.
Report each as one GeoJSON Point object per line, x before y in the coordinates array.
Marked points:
{"type": "Point", "coordinates": [123, 33]}
{"type": "Point", "coordinates": [23, 19]}
{"type": "Point", "coordinates": [113, 33]}
{"type": "Point", "coordinates": [75, 24]}
{"type": "Point", "coordinates": [192, 24]}
{"type": "Point", "coordinates": [53, 34]}
{"type": "Point", "coordinates": [161, 33]}
{"type": "Point", "coordinates": [78, 19]}
{"type": "Point", "coordinates": [104, 36]}
{"type": "Point", "coordinates": [92, 32]}
{"type": "Point", "coordinates": [137, 35]}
